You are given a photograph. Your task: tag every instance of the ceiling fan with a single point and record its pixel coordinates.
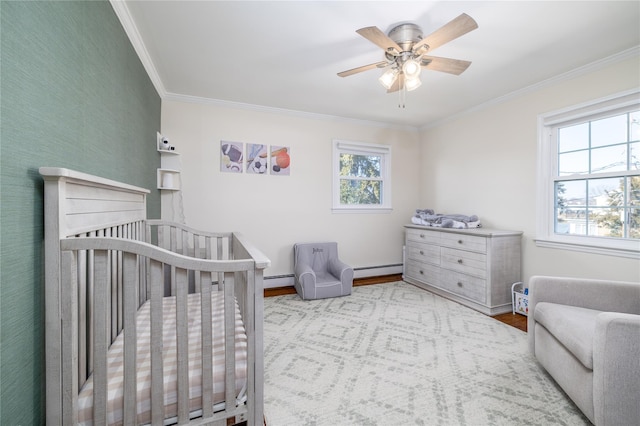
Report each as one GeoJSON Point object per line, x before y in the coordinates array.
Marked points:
{"type": "Point", "coordinates": [405, 52]}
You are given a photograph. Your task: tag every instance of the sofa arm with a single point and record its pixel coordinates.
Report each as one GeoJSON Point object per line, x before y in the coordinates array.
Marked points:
{"type": "Point", "coordinates": [616, 369]}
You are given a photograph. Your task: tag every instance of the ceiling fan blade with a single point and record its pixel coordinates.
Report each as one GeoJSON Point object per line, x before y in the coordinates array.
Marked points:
{"type": "Point", "coordinates": [451, 66]}
{"type": "Point", "coordinates": [377, 37]}
{"type": "Point", "coordinates": [450, 31]}
{"type": "Point", "coordinates": [347, 73]}
{"type": "Point", "coordinates": [397, 85]}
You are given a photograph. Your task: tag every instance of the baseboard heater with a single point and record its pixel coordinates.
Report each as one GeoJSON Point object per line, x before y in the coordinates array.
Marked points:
{"type": "Point", "coordinates": [275, 281]}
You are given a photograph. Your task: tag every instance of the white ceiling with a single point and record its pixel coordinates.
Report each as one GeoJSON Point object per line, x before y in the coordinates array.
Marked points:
{"type": "Point", "coordinates": [285, 54]}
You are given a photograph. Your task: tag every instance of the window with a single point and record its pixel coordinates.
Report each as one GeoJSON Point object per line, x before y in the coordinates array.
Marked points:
{"type": "Point", "coordinates": [589, 177]}
{"type": "Point", "coordinates": [361, 177]}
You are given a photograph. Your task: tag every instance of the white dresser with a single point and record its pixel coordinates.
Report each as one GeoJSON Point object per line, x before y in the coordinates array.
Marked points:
{"type": "Point", "coordinates": [475, 267]}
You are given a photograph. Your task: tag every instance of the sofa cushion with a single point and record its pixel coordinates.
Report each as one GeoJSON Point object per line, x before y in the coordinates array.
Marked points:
{"type": "Point", "coordinates": [572, 326]}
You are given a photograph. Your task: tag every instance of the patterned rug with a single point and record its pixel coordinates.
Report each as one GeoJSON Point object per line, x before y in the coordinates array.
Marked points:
{"type": "Point", "coordinates": [393, 354]}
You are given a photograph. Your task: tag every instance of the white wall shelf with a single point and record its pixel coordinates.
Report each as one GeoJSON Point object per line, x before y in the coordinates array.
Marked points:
{"type": "Point", "coordinates": [169, 179]}
{"type": "Point", "coordinates": [169, 172]}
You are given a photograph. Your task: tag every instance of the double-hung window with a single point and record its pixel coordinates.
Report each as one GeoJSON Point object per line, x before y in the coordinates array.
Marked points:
{"type": "Point", "coordinates": [361, 177]}
{"type": "Point", "coordinates": [589, 177]}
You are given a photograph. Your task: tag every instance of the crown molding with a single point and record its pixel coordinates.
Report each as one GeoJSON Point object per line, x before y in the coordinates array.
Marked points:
{"type": "Point", "coordinates": [127, 22]}
{"type": "Point", "coordinates": [569, 75]}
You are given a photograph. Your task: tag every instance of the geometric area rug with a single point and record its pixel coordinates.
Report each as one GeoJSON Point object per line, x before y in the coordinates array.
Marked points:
{"type": "Point", "coordinates": [394, 354]}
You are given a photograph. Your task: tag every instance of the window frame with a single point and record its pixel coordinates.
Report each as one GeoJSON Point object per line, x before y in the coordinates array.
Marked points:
{"type": "Point", "coordinates": [547, 176]}
{"type": "Point", "coordinates": [360, 148]}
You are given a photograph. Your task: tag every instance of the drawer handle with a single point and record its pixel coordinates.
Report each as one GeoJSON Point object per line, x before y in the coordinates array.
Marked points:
{"type": "Point", "coordinates": [421, 272]}
{"type": "Point", "coordinates": [421, 252]}
{"type": "Point", "coordinates": [421, 235]}
{"type": "Point", "coordinates": [459, 284]}
{"type": "Point", "coordinates": [459, 241]}
{"type": "Point", "coordinates": [460, 261]}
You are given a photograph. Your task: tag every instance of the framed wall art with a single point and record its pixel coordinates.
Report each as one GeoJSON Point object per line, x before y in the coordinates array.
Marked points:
{"type": "Point", "coordinates": [280, 160]}
{"type": "Point", "coordinates": [257, 159]}
{"type": "Point", "coordinates": [231, 155]}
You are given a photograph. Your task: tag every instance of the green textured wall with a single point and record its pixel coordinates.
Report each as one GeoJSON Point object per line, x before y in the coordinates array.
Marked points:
{"type": "Point", "coordinates": [73, 94]}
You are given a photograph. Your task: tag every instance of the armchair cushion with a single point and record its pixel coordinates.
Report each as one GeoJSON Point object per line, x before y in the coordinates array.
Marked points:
{"type": "Point", "coordinates": [572, 326]}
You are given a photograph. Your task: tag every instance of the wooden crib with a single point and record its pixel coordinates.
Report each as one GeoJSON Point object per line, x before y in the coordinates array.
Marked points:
{"type": "Point", "coordinates": [128, 339]}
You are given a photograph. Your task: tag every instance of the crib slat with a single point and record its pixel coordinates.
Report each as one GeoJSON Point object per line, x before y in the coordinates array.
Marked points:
{"type": "Point", "coordinates": [119, 294]}
{"type": "Point", "coordinates": [185, 244]}
{"type": "Point", "coordinates": [249, 317]}
{"type": "Point", "coordinates": [157, 379]}
{"type": "Point", "coordinates": [229, 342]}
{"type": "Point", "coordinates": [182, 337]}
{"type": "Point", "coordinates": [81, 259]}
{"type": "Point", "coordinates": [173, 239]}
{"type": "Point", "coordinates": [69, 317]}
{"type": "Point", "coordinates": [90, 311]}
{"type": "Point", "coordinates": [114, 298]}
{"type": "Point", "coordinates": [101, 338]}
{"type": "Point", "coordinates": [207, 344]}
{"type": "Point", "coordinates": [130, 338]}
{"type": "Point", "coordinates": [219, 257]}
{"type": "Point", "coordinates": [160, 235]}
{"type": "Point", "coordinates": [207, 245]}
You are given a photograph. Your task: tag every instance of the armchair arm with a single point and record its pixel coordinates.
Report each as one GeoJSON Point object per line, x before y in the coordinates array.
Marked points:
{"type": "Point", "coordinates": [616, 369]}
{"type": "Point", "coordinates": [305, 277]}
{"type": "Point", "coordinates": [341, 270]}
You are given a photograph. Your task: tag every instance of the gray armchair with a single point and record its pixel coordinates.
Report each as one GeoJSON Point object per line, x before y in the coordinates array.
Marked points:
{"type": "Point", "coordinates": [586, 334]}
{"type": "Point", "coordinates": [319, 273]}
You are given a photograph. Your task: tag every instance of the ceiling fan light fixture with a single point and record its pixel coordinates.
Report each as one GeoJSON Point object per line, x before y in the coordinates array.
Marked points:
{"type": "Point", "coordinates": [405, 53]}
{"type": "Point", "coordinates": [388, 78]}
{"type": "Point", "coordinates": [411, 68]}
{"type": "Point", "coordinates": [412, 83]}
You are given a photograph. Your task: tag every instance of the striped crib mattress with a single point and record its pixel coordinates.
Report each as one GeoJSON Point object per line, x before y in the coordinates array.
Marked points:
{"type": "Point", "coordinates": [115, 363]}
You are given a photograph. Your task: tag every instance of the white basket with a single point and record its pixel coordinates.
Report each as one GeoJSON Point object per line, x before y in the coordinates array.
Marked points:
{"type": "Point", "coordinates": [519, 300]}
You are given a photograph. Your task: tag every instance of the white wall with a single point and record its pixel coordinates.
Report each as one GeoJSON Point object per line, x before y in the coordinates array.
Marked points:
{"type": "Point", "coordinates": [484, 163]}
{"type": "Point", "coordinates": [275, 212]}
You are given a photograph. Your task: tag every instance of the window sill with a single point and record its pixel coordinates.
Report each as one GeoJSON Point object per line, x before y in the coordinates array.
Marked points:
{"type": "Point", "coordinates": [629, 249]}
{"type": "Point", "coordinates": [364, 210]}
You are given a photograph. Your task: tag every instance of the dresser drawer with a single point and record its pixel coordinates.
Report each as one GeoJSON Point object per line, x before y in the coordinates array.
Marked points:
{"type": "Point", "coordinates": [423, 252]}
{"type": "Point", "coordinates": [464, 285]}
{"type": "Point", "coordinates": [464, 242]}
{"type": "Point", "coordinates": [466, 262]}
{"type": "Point", "coordinates": [474, 267]}
{"type": "Point", "coordinates": [423, 272]}
{"type": "Point", "coordinates": [422, 236]}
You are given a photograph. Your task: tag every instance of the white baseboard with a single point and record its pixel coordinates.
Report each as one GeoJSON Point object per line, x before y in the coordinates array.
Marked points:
{"type": "Point", "coordinates": [375, 271]}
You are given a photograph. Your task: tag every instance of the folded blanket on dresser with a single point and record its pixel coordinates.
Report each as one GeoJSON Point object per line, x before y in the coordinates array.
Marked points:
{"type": "Point", "coordinates": [427, 217]}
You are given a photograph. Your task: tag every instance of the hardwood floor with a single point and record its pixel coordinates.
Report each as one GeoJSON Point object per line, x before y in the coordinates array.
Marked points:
{"type": "Point", "coordinates": [515, 320]}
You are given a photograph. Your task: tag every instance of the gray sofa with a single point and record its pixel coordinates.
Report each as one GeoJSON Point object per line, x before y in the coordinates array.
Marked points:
{"type": "Point", "coordinates": [586, 334]}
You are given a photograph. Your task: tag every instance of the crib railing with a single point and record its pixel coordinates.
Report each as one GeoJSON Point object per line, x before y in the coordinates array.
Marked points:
{"type": "Point", "coordinates": [249, 289]}
{"type": "Point", "coordinates": [104, 281]}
